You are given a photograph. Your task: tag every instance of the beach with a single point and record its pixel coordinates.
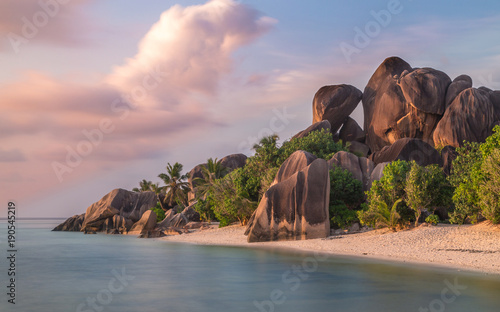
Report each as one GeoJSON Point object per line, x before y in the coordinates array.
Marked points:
{"type": "Point", "coordinates": [466, 247]}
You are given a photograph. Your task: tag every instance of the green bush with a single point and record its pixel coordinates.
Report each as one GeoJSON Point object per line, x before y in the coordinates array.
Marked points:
{"type": "Point", "coordinates": [346, 196]}
{"type": "Point", "coordinates": [205, 208]}
{"type": "Point", "coordinates": [464, 177]}
{"type": "Point", "coordinates": [432, 219]}
{"type": "Point", "coordinates": [319, 143]}
{"type": "Point", "coordinates": [391, 188]}
{"type": "Point", "coordinates": [229, 205]}
{"type": "Point", "coordinates": [160, 213]}
{"type": "Point", "coordinates": [489, 190]}
{"type": "Point", "coordinates": [378, 214]}
{"type": "Point", "coordinates": [426, 189]}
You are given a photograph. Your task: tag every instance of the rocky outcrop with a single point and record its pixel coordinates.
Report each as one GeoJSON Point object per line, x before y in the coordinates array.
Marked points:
{"type": "Point", "coordinates": [73, 224]}
{"type": "Point", "coordinates": [470, 117]}
{"type": "Point", "coordinates": [377, 173]}
{"type": "Point", "coordinates": [351, 131]}
{"type": "Point", "coordinates": [335, 104]}
{"type": "Point", "coordinates": [127, 204]}
{"type": "Point", "coordinates": [425, 90]}
{"type": "Point", "coordinates": [191, 214]}
{"type": "Point", "coordinates": [408, 149]}
{"type": "Point", "coordinates": [360, 167]}
{"type": "Point", "coordinates": [384, 103]}
{"type": "Point", "coordinates": [495, 100]}
{"type": "Point", "coordinates": [318, 126]}
{"type": "Point", "coordinates": [296, 162]}
{"type": "Point", "coordinates": [234, 161]}
{"type": "Point", "coordinates": [178, 220]}
{"type": "Point", "coordinates": [401, 102]}
{"type": "Point", "coordinates": [458, 85]}
{"type": "Point", "coordinates": [295, 208]}
{"type": "Point", "coordinates": [146, 223]}
{"type": "Point", "coordinates": [358, 148]}
{"type": "Point", "coordinates": [120, 224]}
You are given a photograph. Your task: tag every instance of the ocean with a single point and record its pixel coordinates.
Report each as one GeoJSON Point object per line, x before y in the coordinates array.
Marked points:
{"type": "Point", "coordinates": [64, 271]}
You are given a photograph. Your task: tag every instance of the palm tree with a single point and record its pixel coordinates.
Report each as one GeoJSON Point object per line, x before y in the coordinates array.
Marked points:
{"type": "Point", "coordinates": [145, 186]}
{"type": "Point", "coordinates": [176, 186]}
{"type": "Point", "coordinates": [211, 172]}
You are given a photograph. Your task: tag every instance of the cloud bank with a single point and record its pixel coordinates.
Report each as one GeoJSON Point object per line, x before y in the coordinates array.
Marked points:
{"type": "Point", "coordinates": [153, 101]}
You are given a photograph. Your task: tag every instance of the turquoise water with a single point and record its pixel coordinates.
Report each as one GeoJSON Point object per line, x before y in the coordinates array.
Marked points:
{"type": "Point", "coordinates": [60, 271]}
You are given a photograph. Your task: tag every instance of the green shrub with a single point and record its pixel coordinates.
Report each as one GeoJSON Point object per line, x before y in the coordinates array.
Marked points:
{"type": "Point", "coordinates": [432, 219]}
{"type": "Point", "coordinates": [391, 188]}
{"type": "Point", "coordinates": [464, 177]}
{"type": "Point", "coordinates": [229, 205]}
{"type": "Point", "coordinates": [205, 208]}
{"type": "Point", "coordinates": [489, 190]}
{"type": "Point", "coordinates": [378, 215]}
{"type": "Point", "coordinates": [160, 213]}
{"type": "Point", "coordinates": [426, 189]}
{"type": "Point", "coordinates": [346, 196]}
{"type": "Point", "coordinates": [319, 143]}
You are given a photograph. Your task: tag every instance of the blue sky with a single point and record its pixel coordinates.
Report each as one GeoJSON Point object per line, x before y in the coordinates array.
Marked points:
{"type": "Point", "coordinates": [236, 80]}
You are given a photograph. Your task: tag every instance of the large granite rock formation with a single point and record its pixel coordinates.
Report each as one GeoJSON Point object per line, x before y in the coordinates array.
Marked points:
{"type": "Point", "coordinates": [233, 161]}
{"type": "Point", "coordinates": [469, 117]}
{"type": "Point", "coordinates": [72, 224]}
{"type": "Point", "coordinates": [335, 104]}
{"type": "Point", "coordinates": [458, 85]}
{"type": "Point", "coordinates": [408, 149]}
{"type": "Point", "coordinates": [146, 223]}
{"type": "Point", "coordinates": [118, 224]}
{"type": "Point", "coordinates": [178, 220]}
{"type": "Point", "coordinates": [401, 102]}
{"type": "Point", "coordinates": [384, 103]}
{"type": "Point", "coordinates": [296, 162]}
{"type": "Point", "coordinates": [360, 167]}
{"type": "Point", "coordinates": [127, 204]}
{"type": "Point", "coordinates": [351, 131]}
{"type": "Point", "coordinates": [318, 126]}
{"type": "Point", "coordinates": [295, 208]}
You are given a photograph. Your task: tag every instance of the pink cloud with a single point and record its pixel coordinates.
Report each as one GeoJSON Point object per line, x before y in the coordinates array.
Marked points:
{"type": "Point", "coordinates": [190, 50]}
{"type": "Point", "coordinates": [49, 21]}
{"type": "Point", "coordinates": [179, 66]}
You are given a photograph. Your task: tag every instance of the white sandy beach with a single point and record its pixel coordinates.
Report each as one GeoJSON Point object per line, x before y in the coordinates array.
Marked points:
{"type": "Point", "coordinates": [466, 247]}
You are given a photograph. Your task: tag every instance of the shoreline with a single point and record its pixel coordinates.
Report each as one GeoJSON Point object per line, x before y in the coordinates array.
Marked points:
{"type": "Point", "coordinates": [467, 248]}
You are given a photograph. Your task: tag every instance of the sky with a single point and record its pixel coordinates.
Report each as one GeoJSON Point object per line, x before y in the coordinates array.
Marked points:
{"type": "Point", "coordinates": [98, 95]}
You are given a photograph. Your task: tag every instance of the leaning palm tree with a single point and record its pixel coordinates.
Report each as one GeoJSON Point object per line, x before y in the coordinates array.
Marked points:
{"type": "Point", "coordinates": [211, 172]}
{"type": "Point", "coordinates": [176, 186]}
{"type": "Point", "coordinates": [144, 186]}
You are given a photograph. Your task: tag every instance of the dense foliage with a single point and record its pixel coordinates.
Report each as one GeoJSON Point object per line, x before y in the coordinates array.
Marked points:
{"type": "Point", "coordinates": [426, 189]}
{"type": "Point", "coordinates": [346, 196]}
{"type": "Point", "coordinates": [409, 189]}
{"type": "Point", "coordinates": [160, 213]}
{"type": "Point", "coordinates": [475, 176]}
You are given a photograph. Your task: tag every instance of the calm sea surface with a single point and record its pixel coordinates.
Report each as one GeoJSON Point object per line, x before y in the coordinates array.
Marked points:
{"type": "Point", "coordinates": [61, 271]}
